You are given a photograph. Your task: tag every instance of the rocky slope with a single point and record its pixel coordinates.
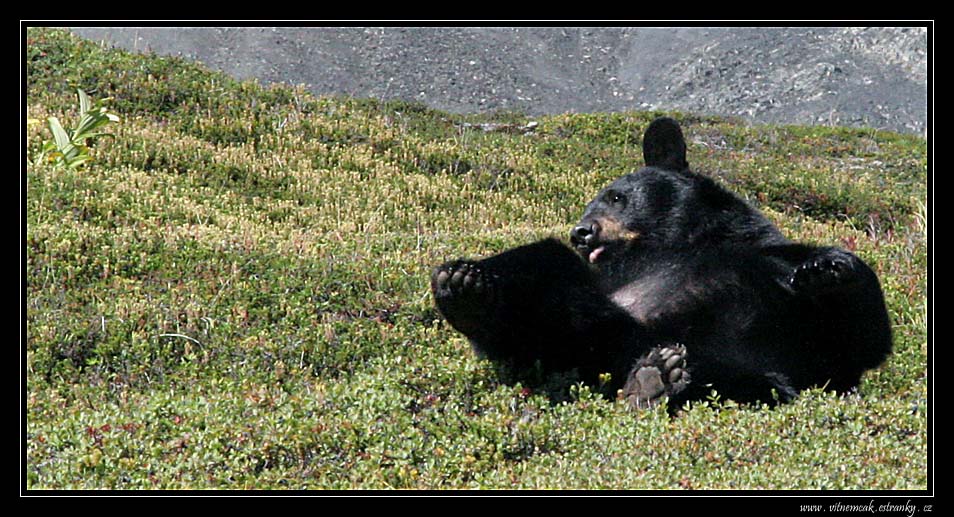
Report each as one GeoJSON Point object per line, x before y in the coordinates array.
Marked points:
{"type": "Point", "coordinates": [873, 77]}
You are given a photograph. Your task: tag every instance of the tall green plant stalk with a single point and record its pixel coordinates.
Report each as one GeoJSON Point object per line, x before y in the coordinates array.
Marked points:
{"type": "Point", "coordinates": [70, 148]}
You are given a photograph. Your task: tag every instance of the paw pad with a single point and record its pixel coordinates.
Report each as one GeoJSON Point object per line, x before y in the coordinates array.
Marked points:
{"type": "Point", "coordinates": [660, 373]}
{"type": "Point", "coordinates": [458, 278]}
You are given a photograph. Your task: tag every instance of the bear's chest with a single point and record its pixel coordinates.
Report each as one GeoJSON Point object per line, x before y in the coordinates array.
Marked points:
{"type": "Point", "coordinates": [652, 297]}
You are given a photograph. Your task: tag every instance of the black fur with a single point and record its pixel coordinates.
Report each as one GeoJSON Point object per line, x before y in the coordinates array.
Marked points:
{"type": "Point", "coordinates": [670, 257]}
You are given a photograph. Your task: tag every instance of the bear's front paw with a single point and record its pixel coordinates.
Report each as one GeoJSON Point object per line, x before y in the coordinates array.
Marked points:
{"type": "Point", "coordinates": [824, 272]}
{"type": "Point", "coordinates": [661, 373]}
{"type": "Point", "coordinates": [463, 293]}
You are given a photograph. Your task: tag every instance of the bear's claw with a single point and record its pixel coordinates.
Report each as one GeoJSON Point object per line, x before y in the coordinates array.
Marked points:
{"type": "Point", "coordinates": [820, 274]}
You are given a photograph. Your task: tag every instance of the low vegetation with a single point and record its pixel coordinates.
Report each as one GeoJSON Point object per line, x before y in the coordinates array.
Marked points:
{"type": "Point", "coordinates": [232, 293]}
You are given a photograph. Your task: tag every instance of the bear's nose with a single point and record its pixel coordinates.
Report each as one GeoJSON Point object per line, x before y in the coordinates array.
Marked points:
{"type": "Point", "coordinates": [584, 234]}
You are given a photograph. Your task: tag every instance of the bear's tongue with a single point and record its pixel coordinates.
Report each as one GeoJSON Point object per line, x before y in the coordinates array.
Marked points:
{"type": "Point", "coordinates": [595, 254]}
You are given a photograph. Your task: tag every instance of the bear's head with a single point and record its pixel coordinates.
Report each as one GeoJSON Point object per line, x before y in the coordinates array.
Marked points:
{"type": "Point", "coordinates": [664, 205]}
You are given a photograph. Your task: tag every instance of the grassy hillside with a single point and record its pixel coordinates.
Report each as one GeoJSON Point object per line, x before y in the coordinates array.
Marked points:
{"type": "Point", "coordinates": [233, 293]}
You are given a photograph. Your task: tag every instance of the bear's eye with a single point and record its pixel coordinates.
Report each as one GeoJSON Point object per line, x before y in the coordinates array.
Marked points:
{"type": "Point", "coordinates": [615, 198]}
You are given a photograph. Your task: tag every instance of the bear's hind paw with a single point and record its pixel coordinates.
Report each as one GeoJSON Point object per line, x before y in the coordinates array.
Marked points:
{"type": "Point", "coordinates": [659, 374]}
{"type": "Point", "coordinates": [463, 293]}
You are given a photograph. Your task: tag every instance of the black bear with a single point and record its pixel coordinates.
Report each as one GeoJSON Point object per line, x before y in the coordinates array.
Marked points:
{"type": "Point", "coordinates": [676, 288]}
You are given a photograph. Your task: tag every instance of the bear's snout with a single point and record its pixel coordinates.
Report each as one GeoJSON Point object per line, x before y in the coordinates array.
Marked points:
{"type": "Point", "coordinates": [585, 234]}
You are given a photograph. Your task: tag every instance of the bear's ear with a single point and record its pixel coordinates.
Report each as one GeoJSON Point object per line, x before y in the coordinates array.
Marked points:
{"type": "Point", "coordinates": [664, 145]}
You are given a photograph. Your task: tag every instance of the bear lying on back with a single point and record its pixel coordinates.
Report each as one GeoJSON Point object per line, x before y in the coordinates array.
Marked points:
{"type": "Point", "coordinates": [677, 288]}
